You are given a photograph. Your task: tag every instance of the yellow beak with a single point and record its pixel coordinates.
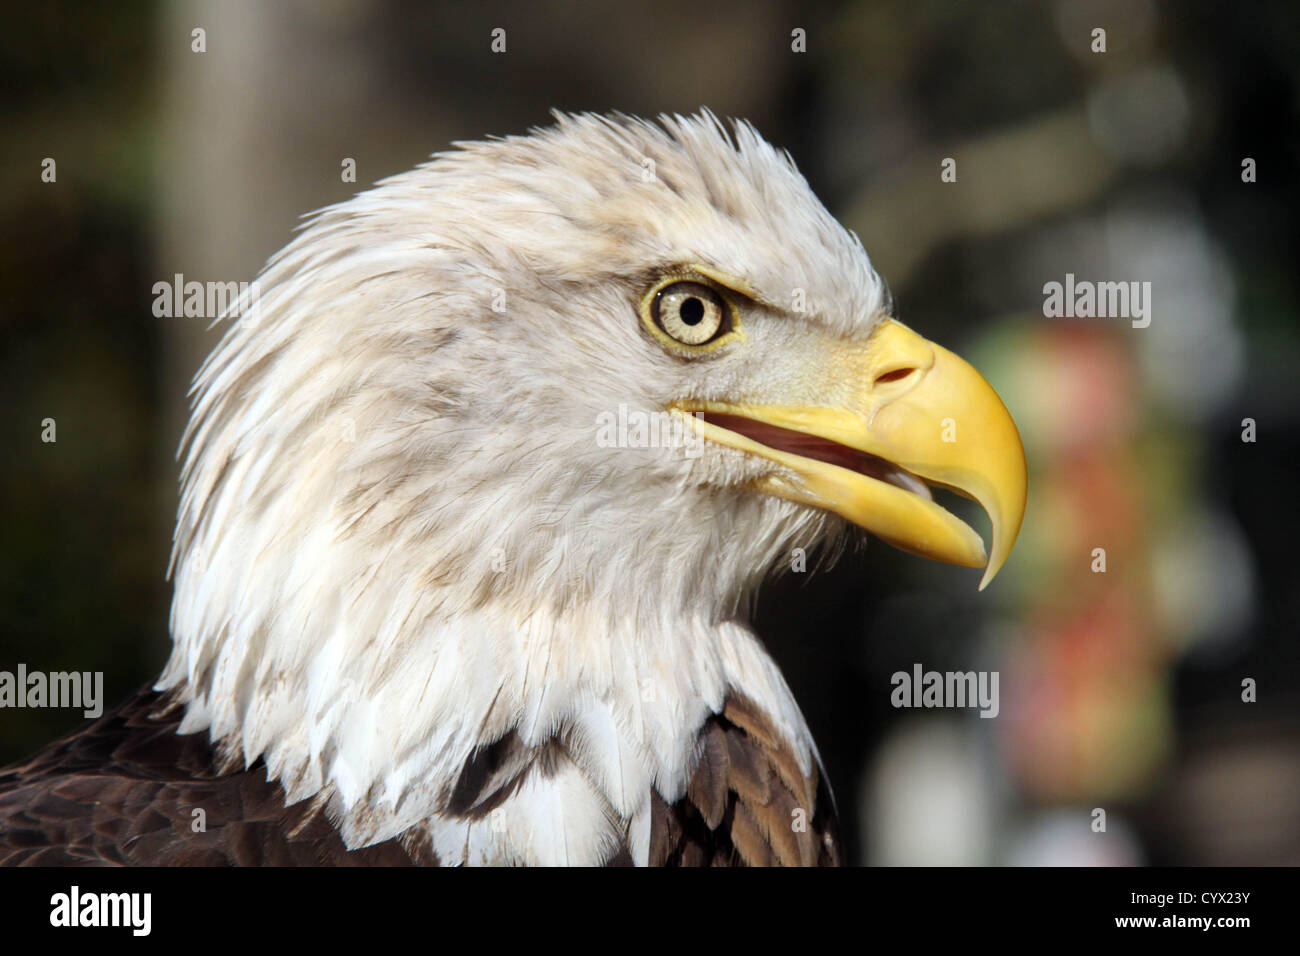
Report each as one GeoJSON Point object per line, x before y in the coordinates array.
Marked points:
{"type": "Point", "coordinates": [915, 411]}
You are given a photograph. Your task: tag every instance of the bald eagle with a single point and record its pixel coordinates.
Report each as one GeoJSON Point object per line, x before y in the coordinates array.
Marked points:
{"type": "Point", "coordinates": [474, 501]}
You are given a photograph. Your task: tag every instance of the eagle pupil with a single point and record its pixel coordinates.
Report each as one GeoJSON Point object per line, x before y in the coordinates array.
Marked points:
{"type": "Point", "coordinates": [692, 311]}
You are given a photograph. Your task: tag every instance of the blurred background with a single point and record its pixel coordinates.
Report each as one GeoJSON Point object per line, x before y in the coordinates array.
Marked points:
{"type": "Point", "coordinates": [1120, 690]}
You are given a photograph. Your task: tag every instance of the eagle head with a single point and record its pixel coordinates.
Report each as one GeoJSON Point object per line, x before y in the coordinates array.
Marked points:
{"type": "Point", "coordinates": [504, 446]}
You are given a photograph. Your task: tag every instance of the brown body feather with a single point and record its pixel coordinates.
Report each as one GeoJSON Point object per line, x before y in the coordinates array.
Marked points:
{"type": "Point", "coordinates": [747, 803]}
{"type": "Point", "coordinates": [123, 790]}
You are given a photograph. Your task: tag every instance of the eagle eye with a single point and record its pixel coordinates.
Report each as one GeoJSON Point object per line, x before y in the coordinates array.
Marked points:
{"type": "Point", "coordinates": [690, 313]}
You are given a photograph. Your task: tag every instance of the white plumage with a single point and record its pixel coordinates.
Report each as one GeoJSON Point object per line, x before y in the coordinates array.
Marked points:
{"type": "Point", "coordinates": [398, 537]}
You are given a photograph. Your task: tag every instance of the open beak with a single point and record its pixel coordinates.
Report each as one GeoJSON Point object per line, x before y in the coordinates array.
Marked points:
{"type": "Point", "coordinates": [913, 414]}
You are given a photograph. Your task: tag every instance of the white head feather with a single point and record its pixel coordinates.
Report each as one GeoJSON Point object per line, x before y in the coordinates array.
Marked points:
{"type": "Point", "coordinates": [399, 537]}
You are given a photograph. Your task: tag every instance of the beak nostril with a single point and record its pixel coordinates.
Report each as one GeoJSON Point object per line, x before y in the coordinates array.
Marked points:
{"type": "Point", "coordinates": [894, 375]}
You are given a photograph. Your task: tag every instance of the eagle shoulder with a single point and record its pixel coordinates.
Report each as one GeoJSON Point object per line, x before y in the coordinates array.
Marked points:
{"type": "Point", "coordinates": [747, 802]}
{"type": "Point", "coordinates": [125, 790]}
